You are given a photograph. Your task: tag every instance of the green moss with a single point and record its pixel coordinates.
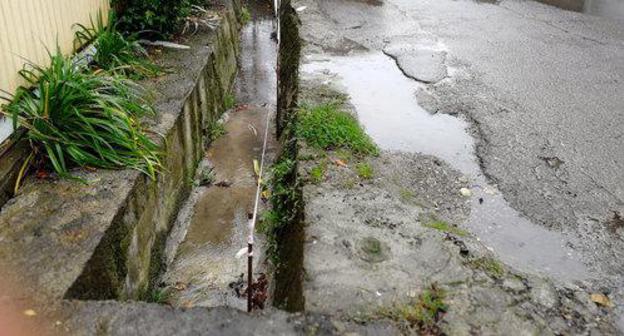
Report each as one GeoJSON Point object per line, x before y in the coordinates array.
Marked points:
{"type": "Point", "coordinates": [423, 313]}
{"type": "Point", "coordinates": [489, 265]}
{"type": "Point", "coordinates": [326, 127]}
{"type": "Point", "coordinates": [446, 227]}
{"type": "Point", "coordinates": [365, 170]}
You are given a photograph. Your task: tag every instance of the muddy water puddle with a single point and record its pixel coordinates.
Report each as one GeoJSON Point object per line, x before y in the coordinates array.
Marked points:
{"type": "Point", "coordinates": [386, 104]}
{"type": "Point", "coordinates": [212, 225]}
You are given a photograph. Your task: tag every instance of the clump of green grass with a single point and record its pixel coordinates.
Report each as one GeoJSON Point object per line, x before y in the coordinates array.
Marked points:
{"type": "Point", "coordinates": [160, 296]}
{"type": "Point", "coordinates": [245, 15]}
{"type": "Point", "coordinates": [446, 227]}
{"type": "Point", "coordinates": [423, 314]}
{"type": "Point", "coordinates": [217, 130]}
{"type": "Point", "coordinates": [364, 170]}
{"type": "Point", "coordinates": [77, 117]}
{"type": "Point", "coordinates": [328, 128]}
{"type": "Point", "coordinates": [489, 265]}
{"type": "Point", "coordinates": [229, 101]}
{"type": "Point", "coordinates": [317, 173]}
{"type": "Point", "coordinates": [406, 195]}
{"type": "Point", "coordinates": [115, 52]}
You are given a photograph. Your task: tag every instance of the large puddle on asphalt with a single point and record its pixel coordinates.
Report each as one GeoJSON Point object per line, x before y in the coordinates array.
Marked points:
{"type": "Point", "coordinates": [212, 226]}
{"type": "Point", "coordinates": [386, 105]}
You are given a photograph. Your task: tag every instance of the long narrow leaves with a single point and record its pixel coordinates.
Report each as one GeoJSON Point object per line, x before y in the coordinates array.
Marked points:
{"type": "Point", "coordinates": [115, 52]}
{"type": "Point", "coordinates": [76, 117]}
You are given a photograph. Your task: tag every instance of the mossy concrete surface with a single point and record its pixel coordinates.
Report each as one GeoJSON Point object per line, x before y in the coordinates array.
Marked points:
{"type": "Point", "coordinates": [103, 239]}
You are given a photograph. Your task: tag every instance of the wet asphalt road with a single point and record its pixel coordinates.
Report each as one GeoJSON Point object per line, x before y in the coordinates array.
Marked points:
{"type": "Point", "coordinates": [543, 92]}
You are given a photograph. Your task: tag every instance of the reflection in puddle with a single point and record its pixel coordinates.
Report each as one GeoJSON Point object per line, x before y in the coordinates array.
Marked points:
{"type": "Point", "coordinates": [386, 105]}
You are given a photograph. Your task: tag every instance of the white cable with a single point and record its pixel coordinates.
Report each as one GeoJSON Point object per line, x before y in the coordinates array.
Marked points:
{"type": "Point", "coordinates": [252, 223]}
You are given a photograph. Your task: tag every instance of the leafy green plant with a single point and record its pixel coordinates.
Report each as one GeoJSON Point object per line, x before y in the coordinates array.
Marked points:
{"type": "Point", "coordinates": [77, 117]}
{"type": "Point", "coordinates": [229, 101]}
{"type": "Point", "coordinates": [115, 52]}
{"type": "Point", "coordinates": [283, 203]}
{"type": "Point", "coordinates": [245, 15]}
{"type": "Point", "coordinates": [317, 173]}
{"type": "Point", "coordinates": [161, 17]}
{"type": "Point", "coordinates": [364, 170]}
{"type": "Point", "coordinates": [327, 127]}
{"type": "Point", "coordinates": [217, 130]}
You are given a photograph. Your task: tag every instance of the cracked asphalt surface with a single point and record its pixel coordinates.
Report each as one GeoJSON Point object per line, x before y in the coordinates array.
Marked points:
{"type": "Point", "coordinates": [541, 88]}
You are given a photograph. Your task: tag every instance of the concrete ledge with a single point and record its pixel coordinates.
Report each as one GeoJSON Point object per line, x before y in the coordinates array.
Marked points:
{"type": "Point", "coordinates": [104, 240]}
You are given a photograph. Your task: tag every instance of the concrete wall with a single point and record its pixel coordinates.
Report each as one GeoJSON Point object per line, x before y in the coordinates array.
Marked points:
{"type": "Point", "coordinates": [104, 240]}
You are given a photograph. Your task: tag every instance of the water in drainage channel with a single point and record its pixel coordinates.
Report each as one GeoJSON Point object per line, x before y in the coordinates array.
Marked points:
{"type": "Point", "coordinates": [386, 105]}
{"type": "Point", "coordinates": [212, 225]}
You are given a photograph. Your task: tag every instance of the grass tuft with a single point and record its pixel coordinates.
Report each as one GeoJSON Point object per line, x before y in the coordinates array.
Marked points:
{"type": "Point", "coordinates": [76, 117]}
{"type": "Point", "coordinates": [116, 53]}
{"type": "Point", "coordinates": [229, 101]}
{"type": "Point", "coordinates": [317, 173]}
{"type": "Point", "coordinates": [423, 314]}
{"type": "Point", "coordinates": [328, 128]}
{"type": "Point", "coordinates": [245, 15]}
{"type": "Point", "coordinates": [364, 170]}
{"type": "Point", "coordinates": [446, 227]}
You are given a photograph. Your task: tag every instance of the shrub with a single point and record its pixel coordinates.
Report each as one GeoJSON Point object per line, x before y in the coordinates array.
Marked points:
{"type": "Point", "coordinates": [162, 16]}
{"type": "Point", "coordinates": [77, 117]}
{"type": "Point", "coordinates": [326, 127]}
{"type": "Point", "coordinates": [115, 52]}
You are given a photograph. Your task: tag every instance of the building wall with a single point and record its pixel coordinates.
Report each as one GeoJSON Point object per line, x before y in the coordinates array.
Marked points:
{"type": "Point", "coordinates": [28, 27]}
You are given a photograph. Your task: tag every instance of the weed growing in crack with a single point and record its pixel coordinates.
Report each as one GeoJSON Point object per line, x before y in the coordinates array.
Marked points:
{"type": "Point", "coordinates": [327, 127]}
{"type": "Point", "coordinates": [422, 314]}
{"type": "Point", "coordinates": [446, 227]}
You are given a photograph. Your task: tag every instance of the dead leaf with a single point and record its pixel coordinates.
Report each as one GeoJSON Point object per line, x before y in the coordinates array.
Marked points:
{"type": "Point", "coordinates": [602, 300]}
{"type": "Point", "coordinates": [180, 286]}
{"type": "Point", "coordinates": [340, 163]}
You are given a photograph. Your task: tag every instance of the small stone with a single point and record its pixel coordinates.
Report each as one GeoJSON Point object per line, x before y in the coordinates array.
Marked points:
{"type": "Point", "coordinates": [30, 313]}
{"type": "Point", "coordinates": [465, 192]}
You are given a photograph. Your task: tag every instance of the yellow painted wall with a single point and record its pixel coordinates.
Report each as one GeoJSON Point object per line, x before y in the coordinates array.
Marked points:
{"type": "Point", "coordinates": [28, 27]}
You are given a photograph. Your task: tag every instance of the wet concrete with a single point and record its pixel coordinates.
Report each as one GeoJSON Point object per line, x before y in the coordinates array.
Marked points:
{"type": "Point", "coordinates": [613, 9]}
{"type": "Point", "coordinates": [386, 104]}
{"type": "Point", "coordinates": [212, 226]}
{"type": "Point", "coordinates": [539, 87]}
